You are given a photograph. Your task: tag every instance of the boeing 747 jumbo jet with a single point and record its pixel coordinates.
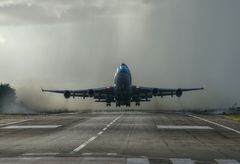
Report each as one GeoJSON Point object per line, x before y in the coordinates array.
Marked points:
{"type": "Point", "coordinates": [122, 92]}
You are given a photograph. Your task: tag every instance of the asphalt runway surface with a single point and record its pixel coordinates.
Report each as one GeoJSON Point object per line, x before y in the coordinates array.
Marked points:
{"type": "Point", "coordinates": [126, 137]}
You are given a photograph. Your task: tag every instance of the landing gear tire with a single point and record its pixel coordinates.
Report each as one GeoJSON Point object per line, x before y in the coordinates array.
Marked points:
{"type": "Point", "coordinates": [137, 104]}
{"type": "Point", "coordinates": [108, 104]}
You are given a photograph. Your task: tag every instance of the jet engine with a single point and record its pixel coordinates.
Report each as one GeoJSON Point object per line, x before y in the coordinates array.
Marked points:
{"type": "Point", "coordinates": [90, 92]}
{"type": "Point", "coordinates": [179, 92]}
{"type": "Point", "coordinates": [67, 94]}
{"type": "Point", "coordinates": [155, 91]}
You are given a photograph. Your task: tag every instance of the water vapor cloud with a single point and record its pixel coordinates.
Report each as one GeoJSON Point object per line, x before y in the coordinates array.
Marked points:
{"type": "Point", "coordinates": [77, 44]}
{"type": "Point", "coordinates": [19, 12]}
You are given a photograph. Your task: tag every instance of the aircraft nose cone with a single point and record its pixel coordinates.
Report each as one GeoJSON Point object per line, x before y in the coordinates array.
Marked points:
{"type": "Point", "coordinates": [123, 70]}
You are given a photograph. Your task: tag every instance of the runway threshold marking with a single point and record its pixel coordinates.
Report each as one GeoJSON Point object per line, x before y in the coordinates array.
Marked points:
{"type": "Point", "coordinates": [211, 122]}
{"type": "Point", "coordinates": [16, 122]}
{"type": "Point", "coordinates": [182, 127]}
{"type": "Point", "coordinates": [40, 154]}
{"type": "Point", "coordinates": [137, 161]}
{"type": "Point", "coordinates": [31, 127]}
{"type": "Point", "coordinates": [94, 137]}
{"type": "Point", "coordinates": [99, 154]}
{"type": "Point", "coordinates": [226, 161]}
{"type": "Point", "coordinates": [181, 161]}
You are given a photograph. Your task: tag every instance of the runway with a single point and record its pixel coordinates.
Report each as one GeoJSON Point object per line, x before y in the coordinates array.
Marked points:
{"type": "Point", "coordinates": [126, 137]}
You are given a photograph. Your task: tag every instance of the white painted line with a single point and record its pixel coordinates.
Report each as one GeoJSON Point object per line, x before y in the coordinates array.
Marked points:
{"type": "Point", "coordinates": [181, 161]}
{"type": "Point", "coordinates": [84, 144]}
{"type": "Point", "coordinates": [182, 127]}
{"type": "Point", "coordinates": [111, 154]}
{"type": "Point", "coordinates": [39, 154]}
{"type": "Point", "coordinates": [16, 122]}
{"type": "Point", "coordinates": [137, 161]}
{"type": "Point", "coordinates": [211, 122]}
{"type": "Point", "coordinates": [30, 126]}
{"type": "Point", "coordinates": [88, 154]}
{"type": "Point", "coordinates": [104, 129]}
{"type": "Point", "coordinates": [98, 154]}
{"type": "Point", "coordinates": [99, 133]}
{"type": "Point", "coordinates": [79, 148]}
{"type": "Point", "coordinates": [22, 159]}
{"type": "Point", "coordinates": [226, 161]}
{"type": "Point", "coordinates": [92, 138]}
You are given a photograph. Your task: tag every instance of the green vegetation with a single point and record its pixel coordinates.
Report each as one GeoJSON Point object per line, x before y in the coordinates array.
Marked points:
{"type": "Point", "coordinates": [7, 96]}
{"type": "Point", "coordinates": [12, 115]}
{"type": "Point", "coordinates": [235, 117]}
{"type": "Point", "coordinates": [54, 111]}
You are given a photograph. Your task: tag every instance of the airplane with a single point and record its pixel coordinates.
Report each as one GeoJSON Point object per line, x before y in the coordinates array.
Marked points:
{"type": "Point", "coordinates": [122, 93]}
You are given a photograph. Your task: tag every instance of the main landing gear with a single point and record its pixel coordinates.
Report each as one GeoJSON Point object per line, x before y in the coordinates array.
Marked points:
{"type": "Point", "coordinates": [137, 104]}
{"type": "Point", "coordinates": [127, 105]}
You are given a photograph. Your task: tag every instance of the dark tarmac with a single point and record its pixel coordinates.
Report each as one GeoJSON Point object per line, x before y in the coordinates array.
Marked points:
{"type": "Point", "coordinates": [126, 137]}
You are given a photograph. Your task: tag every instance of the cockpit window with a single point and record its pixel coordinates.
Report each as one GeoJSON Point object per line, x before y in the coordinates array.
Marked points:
{"type": "Point", "coordinates": [123, 68]}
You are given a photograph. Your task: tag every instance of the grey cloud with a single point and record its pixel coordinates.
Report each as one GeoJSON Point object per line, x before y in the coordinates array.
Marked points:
{"type": "Point", "coordinates": [18, 12]}
{"type": "Point", "coordinates": [187, 43]}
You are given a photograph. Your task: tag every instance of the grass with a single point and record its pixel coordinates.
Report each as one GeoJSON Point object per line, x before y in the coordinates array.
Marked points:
{"type": "Point", "coordinates": [43, 112]}
{"type": "Point", "coordinates": [8, 115]}
{"type": "Point", "coordinates": [235, 117]}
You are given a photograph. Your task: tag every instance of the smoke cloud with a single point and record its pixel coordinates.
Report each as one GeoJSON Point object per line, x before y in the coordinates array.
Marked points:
{"type": "Point", "coordinates": [78, 44]}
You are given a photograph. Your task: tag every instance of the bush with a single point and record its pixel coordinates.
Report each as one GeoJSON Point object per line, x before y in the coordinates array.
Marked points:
{"type": "Point", "coordinates": [7, 95]}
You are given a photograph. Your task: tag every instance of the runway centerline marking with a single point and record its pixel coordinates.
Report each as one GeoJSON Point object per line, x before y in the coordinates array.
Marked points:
{"type": "Point", "coordinates": [104, 129]}
{"type": "Point", "coordinates": [31, 126]}
{"type": "Point", "coordinates": [183, 127]}
{"type": "Point", "coordinates": [211, 122]}
{"type": "Point", "coordinates": [98, 134]}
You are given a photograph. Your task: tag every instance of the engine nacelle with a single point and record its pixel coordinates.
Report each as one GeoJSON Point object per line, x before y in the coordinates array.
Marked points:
{"type": "Point", "coordinates": [90, 92]}
{"type": "Point", "coordinates": [179, 92]}
{"type": "Point", "coordinates": [155, 91]}
{"type": "Point", "coordinates": [67, 94]}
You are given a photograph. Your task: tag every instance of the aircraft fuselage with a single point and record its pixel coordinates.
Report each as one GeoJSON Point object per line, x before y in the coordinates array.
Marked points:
{"type": "Point", "coordinates": [123, 85]}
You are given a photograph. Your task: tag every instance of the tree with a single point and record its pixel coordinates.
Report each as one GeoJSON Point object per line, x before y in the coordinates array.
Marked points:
{"type": "Point", "coordinates": [7, 95]}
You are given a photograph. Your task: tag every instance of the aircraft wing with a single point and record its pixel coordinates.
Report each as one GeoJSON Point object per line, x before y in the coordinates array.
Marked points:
{"type": "Point", "coordinates": [145, 93]}
{"type": "Point", "coordinates": [104, 94]}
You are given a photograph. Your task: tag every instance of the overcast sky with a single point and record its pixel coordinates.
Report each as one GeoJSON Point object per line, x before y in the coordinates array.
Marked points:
{"type": "Point", "coordinates": [77, 44]}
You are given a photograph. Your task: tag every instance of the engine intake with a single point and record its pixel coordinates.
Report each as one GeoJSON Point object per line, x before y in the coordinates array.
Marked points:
{"type": "Point", "coordinates": [179, 92]}
{"type": "Point", "coordinates": [90, 92]}
{"type": "Point", "coordinates": [67, 94]}
{"type": "Point", "coordinates": [155, 91]}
